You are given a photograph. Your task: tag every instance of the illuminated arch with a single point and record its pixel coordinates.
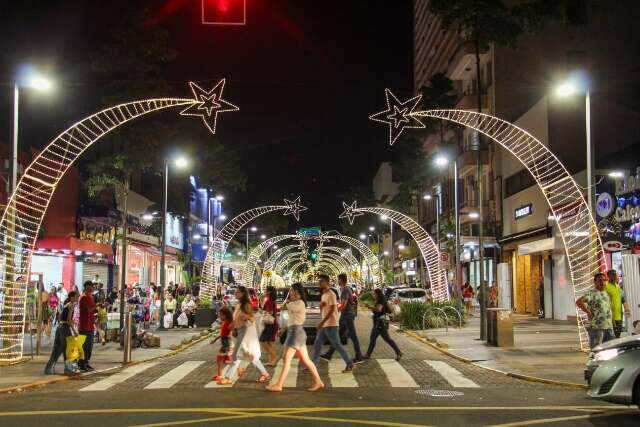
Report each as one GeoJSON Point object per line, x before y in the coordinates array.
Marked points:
{"type": "Point", "coordinates": [216, 251]}
{"type": "Point", "coordinates": [568, 205]}
{"type": "Point", "coordinates": [341, 262]}
{"type": "Point", "coordinates": [22, 218]}
{"type": "Point", "coordinates": [370, 258]}
{"type": "Point", "coordinates": [351, 260]}
{"type": "Point", "coordinates": [288, 259]}
{"type": "Point", "coordinates": [273, 259]}
{"type": "Point", "coordinates": [426, 245]}
{"type": "Point", "coordinates": [256, 253]}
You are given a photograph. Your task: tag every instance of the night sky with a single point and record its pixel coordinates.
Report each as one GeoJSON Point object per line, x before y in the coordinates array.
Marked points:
{"type": "Point", "coordinates": [305, 74]}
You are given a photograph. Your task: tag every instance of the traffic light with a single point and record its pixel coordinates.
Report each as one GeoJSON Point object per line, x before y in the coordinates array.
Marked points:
{"type": "Point", "coordinates": [313, 256]}
{"type": "Point", "coordinates": [224, 12]}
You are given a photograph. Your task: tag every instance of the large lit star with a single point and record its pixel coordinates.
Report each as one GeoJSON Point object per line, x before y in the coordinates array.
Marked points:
{"type": "Point", "coordinates": [294, 208]}
{"type": "Point", "coordinates": [350, 212]}
{"type": "Point", "coordinates": [398, 115]}
{"type": "Point", "coordinates": [208, 104]}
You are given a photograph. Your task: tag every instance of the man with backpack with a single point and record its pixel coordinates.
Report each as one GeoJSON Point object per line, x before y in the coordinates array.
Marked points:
{"type": "Point", "coordinates": [347, 325]}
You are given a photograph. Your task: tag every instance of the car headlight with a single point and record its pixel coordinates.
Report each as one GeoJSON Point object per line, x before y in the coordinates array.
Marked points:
{"type": "Point", "coordinates": [605, 355]}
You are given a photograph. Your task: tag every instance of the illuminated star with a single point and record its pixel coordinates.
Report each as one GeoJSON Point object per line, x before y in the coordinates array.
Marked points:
{"type": "Point", "coordinates": [294, 208]}
{"type": "Point", "coordinates": [208, 104]}
{"type": "Point", "coordinates": [350, 212]}
{"type": "Point", "coordinates": [398, 115]}
{"type": "Point", "coordinates": [323, 237]}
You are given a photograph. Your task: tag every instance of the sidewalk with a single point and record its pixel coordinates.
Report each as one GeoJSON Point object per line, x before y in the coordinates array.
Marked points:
{"type": "Point", "coordinates": [546, 349]}
{"type": "Point", "coordinates": [106, 356]}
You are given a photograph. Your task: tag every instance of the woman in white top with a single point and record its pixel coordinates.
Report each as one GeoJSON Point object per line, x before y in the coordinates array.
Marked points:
{"type": "Point", "coordinates": [296, 342]}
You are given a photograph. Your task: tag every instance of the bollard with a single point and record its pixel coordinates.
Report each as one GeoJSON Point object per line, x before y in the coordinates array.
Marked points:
{"type": "Point", "coordinates": [127, 338]}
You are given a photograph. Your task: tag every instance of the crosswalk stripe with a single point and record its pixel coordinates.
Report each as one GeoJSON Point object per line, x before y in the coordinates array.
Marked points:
{"type": "Point", "coordinates": [214, 384]}
{"type": "Point", "coordinates": [119, 377]}
{"type": "Point", "coordinates": [397, 375]}
{"type": "Point", "coordinates": [451, 374]}
{"type": "Point", "coordinates": [339, 379]}
{"type": "Point", "coordinates": [292, 378]}
{"type": "Point", "coordinates": [176, 374]}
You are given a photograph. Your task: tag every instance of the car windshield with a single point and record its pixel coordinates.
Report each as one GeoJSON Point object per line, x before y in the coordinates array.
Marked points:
{"type": "Point", "coordinates": [282, 293]}
{"type": "Point", "coordinates": [412, 294]}
{"type": "Point", "coordinates": [313, 294]}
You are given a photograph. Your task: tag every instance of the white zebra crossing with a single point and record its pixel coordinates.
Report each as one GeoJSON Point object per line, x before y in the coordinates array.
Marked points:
{"type": "Point", "coordinates": [451, 374]}
{"type": "Point", "coordinates": [176, 374]}
{"type": "Point", "coordinates": [396, 374]}
{"type": "Point", "coordinates": [339, 379]}
{"type": "Point", "coordinates": [119, 377]}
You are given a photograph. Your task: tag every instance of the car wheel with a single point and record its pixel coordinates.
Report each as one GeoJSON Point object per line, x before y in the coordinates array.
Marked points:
{"type": "Point", "coordinates": [636, 392]}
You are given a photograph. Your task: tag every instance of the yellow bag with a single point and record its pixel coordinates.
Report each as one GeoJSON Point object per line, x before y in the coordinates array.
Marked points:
{"type": "Point", "coordinates": [74, 347]}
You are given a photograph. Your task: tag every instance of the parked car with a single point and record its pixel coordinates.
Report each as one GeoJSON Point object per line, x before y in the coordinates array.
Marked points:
{"type": "Point", "coordinates": [403, 295]}
{"type": "Point", "coordinates": [613, 371]}
{"type": "Point", "coordinates": [230, 297]}
{"type": "Point", "coordinates": [313, 316]}
{"type": "Point", "coordinates": [388, 290]}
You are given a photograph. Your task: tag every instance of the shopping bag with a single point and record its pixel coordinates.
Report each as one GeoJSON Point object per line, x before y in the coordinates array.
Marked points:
{"type": "Point", "coordinates": [74, 347]}
{"type": "Point", "coordinates": [183, 320]}
{"type": "Point", "coordinates": [168, 320]}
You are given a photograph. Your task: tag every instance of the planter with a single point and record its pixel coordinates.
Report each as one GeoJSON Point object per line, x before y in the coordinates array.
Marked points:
{"type": "Point", "coordinates": [205, 317]}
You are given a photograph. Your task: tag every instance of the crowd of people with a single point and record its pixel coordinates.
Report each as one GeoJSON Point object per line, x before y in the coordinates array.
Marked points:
{"type": "Point", "coordinates": [239, 338]}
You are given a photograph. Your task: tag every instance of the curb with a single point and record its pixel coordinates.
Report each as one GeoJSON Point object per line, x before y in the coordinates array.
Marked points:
{"type": "Point", "coordinates": [506, 373]}
{"type": "Point", "coordinates": [19, 388]}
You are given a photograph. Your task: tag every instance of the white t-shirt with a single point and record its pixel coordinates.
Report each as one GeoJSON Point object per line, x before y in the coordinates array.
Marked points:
{"type": "Point", "coordinates": [297, 312]}
{"type": "Point", "coordinates": [329, 299]}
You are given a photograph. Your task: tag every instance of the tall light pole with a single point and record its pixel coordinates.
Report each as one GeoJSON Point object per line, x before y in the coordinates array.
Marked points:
{"type": "Point", "coordinates": [179, 162]}
{"type": "Point", "coordinates": [442, 161]}
{"type": "Point", "coordinates": [437, 205]}
{"type": "Point", "coordinates": [32, 80]}
{"type": "Point", "coordinates": [253, 229]}
{"type": "Point", "coordinates": [573, 86]}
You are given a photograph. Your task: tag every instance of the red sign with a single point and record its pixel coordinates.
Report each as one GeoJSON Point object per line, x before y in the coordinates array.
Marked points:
{"type": "Point", "coordinates": [612, 246]}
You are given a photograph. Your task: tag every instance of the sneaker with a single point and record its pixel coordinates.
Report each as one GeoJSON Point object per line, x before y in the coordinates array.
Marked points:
{"type": "Point", "coordinates": [357, 360]}
{"type": "Point", "coordinates": [89, 368]}
{"type": "Point", "coordinates": [348, 369]}
{"type": "Point", "coordinates": [325, 357]}
{"type": "Point", "coordinates": [51, 371]}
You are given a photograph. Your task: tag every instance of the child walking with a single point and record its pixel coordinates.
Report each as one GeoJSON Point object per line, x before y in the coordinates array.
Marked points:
{"type": "Point", "coordinates": [224, 354]}
{"type": "Point", "coordinates": [102, 323]}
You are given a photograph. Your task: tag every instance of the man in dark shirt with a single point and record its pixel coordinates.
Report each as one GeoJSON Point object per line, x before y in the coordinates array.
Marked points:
{"type": "Point", "coordinates": [347, 320]}
{"type": "Point", "coordinates": [86, 325]}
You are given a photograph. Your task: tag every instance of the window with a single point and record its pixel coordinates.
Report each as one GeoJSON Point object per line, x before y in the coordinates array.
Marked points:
{"type": "Point", "coordinates": [518, 182]}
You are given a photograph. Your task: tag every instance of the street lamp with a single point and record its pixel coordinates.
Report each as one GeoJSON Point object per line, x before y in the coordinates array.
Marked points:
{"type": "Point", "coordinates": [363, 236]}
{"type": "Point", "coordinates": [437, 205]}
{"type": "Point", "coordinates": [474, 215]}
{"type": "Point", "coordinates": [253, 230]}
{"type": "Point", "coordinates": [179, 162]}
{"type": "Point", "coordinates": [616, 174]}
{"type": "Point", "coordinates": [219, 197]}
{"type": "Point", "coordinates": [577, 84]}
{"type": "Point", "coordinates": [33, 80]}
{"type": "Point", "coordinates": [263, 236]}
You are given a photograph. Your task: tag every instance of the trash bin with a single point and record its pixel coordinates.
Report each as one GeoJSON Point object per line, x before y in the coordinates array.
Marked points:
{"type": "Point", "coordinates": [500, 327]}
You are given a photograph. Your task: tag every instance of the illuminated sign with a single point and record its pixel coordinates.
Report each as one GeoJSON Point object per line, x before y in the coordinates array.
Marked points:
{"type": "Point", "coordinates": [523, 211]}
{"type": "Point", "coordinates": [605, 205]}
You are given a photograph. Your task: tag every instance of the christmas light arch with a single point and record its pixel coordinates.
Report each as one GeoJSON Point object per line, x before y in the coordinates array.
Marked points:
{"type": "Point", "coordinates": [370, 258]}
{"type": "Point", "coordinates": [217, 249]}
{"type": "Point", "coordinates": [338, 260]}
{"type": "Point", "coordinates": [426, 245]}
{"type": "Point", "coordinates": [351, 260]}
{"type": "Point", "coordinates": [573, 216]}
{"type": "Point", "coordinates": [273, 259]}
{"type": "Point", "coordinates": [288, 259]}
{"type": "Point", "coordinates": [27, 206]}
{"type": "Point", "coordinates": [256, 253]}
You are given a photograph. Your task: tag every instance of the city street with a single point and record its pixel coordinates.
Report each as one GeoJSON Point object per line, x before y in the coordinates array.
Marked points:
{"type": "Point", "coordinates": [424, 388]}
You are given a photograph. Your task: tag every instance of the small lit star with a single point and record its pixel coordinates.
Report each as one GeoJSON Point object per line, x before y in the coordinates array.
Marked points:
{"type": "Point", "coordinates": [398, 115]}
{"type": "Point", "coordinates": [208, 104]}
{"type": "Point", "coordinates": [350, 212]}
{"type": "Point", "coordinates": [294, 208]}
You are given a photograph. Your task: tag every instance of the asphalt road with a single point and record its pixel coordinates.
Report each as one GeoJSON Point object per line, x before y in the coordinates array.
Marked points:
{"type": "Point", "coordinates": [424, 388]}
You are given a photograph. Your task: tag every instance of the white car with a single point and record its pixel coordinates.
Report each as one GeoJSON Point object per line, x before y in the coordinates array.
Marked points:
{"type": "Point", "coordinates": [613, 371]}
{"type": "Point", "coordinates": [230, 297]}
{"type": "Point", "coordinates": [403, 295]}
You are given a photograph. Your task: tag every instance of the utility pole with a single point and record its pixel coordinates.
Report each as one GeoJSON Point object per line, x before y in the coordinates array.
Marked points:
{"type": "Point", "coordinates": [163, 246]}
{"type": "Point", "coordinates": [125, 225]}
{"type": "Point", "coordinates": [483, 288]}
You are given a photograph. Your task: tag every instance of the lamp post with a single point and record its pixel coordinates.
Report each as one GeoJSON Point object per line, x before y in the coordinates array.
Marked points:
{"type": "Point", "coordinates": [253, 229]}
{"type": "Point", "coordinates": [442, 161]}
{"type": "Point", "coordinates": [437, 205]}
{"type": "Point", "coordinates": [179, 162]}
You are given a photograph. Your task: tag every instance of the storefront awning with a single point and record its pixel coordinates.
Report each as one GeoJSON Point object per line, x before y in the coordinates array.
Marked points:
{"type": "Point", "coordinates": [541, 245]}
{"type": "Point", "coordinates": [74, 245]}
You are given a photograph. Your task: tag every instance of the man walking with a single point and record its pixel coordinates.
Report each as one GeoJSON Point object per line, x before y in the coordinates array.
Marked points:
{"type": "Point", "coordinates": [328, 326]}
{"type": "Point", "coordinates": [597, 305]}
{"type": "Point", "coordinates": [86, 325]}
{"type": "Point", "coordinates": [347, 320]}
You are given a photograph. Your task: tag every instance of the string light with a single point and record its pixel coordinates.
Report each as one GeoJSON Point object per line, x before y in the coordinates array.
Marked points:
{"type": "Point", "coordinates": [294, 208]}
{"type": "Point", "coordinates": [350, 212]}
{"type": "Point", "coordinates": [23, 216]}
{"type": "Point", "coordinates": [254, 257]}
{"type": "Point", "coordinates": [577, 227]}
{"type": "Point", "coordinates": [208, 104]}
{"type": "Point", "coordinates": [398, 115]}
{"type": "Point", "coordinates": [217, 250]}
{"type": "Point", "coordinates": [426, 245]}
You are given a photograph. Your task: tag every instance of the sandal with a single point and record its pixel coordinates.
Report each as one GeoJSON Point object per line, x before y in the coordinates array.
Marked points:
{"type": "Point", "coordinates": [263, 378]}
{"type": "Point", "coordinates": [216, 378]}
{"type": "Point", "coordinates": [225, 381]}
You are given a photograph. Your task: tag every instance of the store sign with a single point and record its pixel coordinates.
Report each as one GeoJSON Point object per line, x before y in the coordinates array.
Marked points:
{"type": "Point", "coordinates": [605, 205]}
{"type": "Point", "coordinates": [175, 235]}
{"type": "Point", "coordinates": [612, 246]}
{"type": "Point", "coordinates": [523, 211]}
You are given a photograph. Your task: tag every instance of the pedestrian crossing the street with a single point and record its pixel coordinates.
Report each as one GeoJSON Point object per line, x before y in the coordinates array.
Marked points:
{"type": "Point", "coordinates": [374, 373]}
{"type": "Point", "coordinates": [214, 384]}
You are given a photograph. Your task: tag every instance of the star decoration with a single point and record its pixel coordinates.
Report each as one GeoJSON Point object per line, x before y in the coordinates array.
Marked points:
{"type": "Point", "coordinates": [323, 237]}
{"type": "Point", "coordinates": [294, 208]}
{"type": "Point", "coordinates": [208, 104]}
{"type": "Point", "coordinates": [398, 115]}
{"type": "Point", "coordinates": [350, 212]}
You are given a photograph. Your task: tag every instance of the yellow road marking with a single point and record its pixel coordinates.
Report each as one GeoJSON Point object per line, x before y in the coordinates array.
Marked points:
{"type": "Point", "coordinates": [561, 419]}
{"type": "Point", "coordinates": [347, 420]}
{"type": "Point", "coordinates": [232, 415]}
